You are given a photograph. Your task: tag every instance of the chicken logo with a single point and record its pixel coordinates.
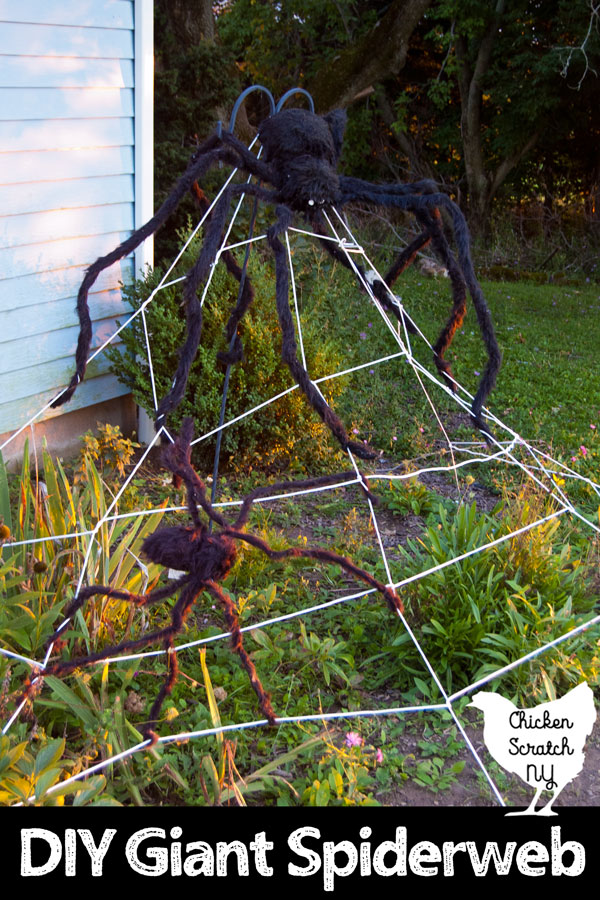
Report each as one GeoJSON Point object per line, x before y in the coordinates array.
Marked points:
{"type": "Point", "coordinates": [543, 745]}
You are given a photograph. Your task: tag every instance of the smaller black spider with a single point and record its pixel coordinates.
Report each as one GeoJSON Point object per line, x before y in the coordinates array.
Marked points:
{"type": "Point", "coordinates": [205, 559]}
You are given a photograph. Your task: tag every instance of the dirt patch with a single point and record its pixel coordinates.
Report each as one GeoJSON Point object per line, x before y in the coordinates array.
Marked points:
{"type": "Point", "coordinates": [472, 789]}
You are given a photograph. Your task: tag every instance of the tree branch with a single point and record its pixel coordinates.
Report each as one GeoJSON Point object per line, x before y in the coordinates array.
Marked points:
{"type": "Point", "coordinates": [507, 165]}
{"type": "Point", "coordinates": [380, 53]}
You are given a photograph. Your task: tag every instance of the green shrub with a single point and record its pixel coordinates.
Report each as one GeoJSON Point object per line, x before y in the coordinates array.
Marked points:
{"type": "Point", "coordinates": [37, 778]}
{"type": "Point", "coordinates": [285, 433]}
{"type": "Point", "coordinates": [475, 616]}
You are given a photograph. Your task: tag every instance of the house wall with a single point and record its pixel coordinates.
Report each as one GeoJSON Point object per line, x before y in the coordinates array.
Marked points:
{"type": "Point", "coordinates": [73, 184]}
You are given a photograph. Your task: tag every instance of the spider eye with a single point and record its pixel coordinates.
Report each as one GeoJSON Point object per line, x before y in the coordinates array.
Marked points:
{"type": "Point", "coordinates": [311, 202]}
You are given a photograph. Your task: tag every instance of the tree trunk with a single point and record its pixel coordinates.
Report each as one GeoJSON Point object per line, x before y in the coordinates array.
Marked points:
{"type": "Point", "coordinates": [191, 21]}
{"type": "Point", "coordinates": [380, 53]}
{"type": "Point", "coordinates": [469, 84]}
{"type": "Point", "coordinates": [482, 184]}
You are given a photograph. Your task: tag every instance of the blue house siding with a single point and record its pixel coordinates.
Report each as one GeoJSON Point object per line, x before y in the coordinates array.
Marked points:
{"type": "Point", "coordinates": [67, 190]}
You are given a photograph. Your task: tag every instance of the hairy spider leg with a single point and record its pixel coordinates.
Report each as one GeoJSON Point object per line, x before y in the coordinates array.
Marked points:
{"type": "Point", "coordinates": [289, 347]}
{"type": "Point", "coordinates": [404, 259]}
{"type": "Point", "coordinates": [196, 277]}
{"type": "Point", "coordinates": [177, 457]}
{"type": "Point", "coordinates": [432, 233]}
{"type": "Point", "coordinates": [391, 597]}
{"type": "Point", "coordinates": [320, 481]}
{"type": "Point", "coordinates": [233, 624]}
{"type": "Point", "coordinates": [235, 353]}
{"type": "Point", "coordinates": [86, 592]}
{"type": "Point", "coordinates": [179, 614]}
{"type": "Point", "coordinates": [66, 666]}
{"type": "Point", "coordinates": [433, 220]}
{"type": "Point", "coordinates": [398, 196]}
{"type": "Point", "coordinates": [209, 153]}
{"type": "Point", "coordinates": [166, 635]}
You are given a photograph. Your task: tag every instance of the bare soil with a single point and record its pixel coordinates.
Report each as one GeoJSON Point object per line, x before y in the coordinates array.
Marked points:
{"type": "Point", "coordinates": [472, 789]}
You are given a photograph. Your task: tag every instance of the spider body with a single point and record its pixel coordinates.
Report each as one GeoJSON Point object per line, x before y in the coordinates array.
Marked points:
{"type": "Point", "coordinates": [300, 149]}
{"type": "Point", "coordinates": [301, 155]}
{"type": "Point", "coordinates": [192, 550]}
{"type": "Point", "coordinates": [205, 560]}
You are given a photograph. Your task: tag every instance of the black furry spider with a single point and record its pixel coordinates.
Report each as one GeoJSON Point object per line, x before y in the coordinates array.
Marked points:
{"type": "Point", "coordinates": [206, 559]}
{"type": "Point", "coordinates": [301, 153]}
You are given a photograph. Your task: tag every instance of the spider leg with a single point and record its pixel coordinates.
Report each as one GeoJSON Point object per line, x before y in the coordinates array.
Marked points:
{"type": "Point", "coordinates": [433, 220]}
{"type": "Point", "coordinates": [391, 597]}
{"type": "Point", "coordinates": [289, 348]}
{"type": "Point", "coordinates": [196, 276]}
{"type": "Point", "coordinates": [178, 616]}
{"type": "Point", "coordinates": [210, 152]}
{"type": "Point", "coordinates": [419, 198]}
{"type": "Point", "coordinates": [233, 625]}
{"type": "Point", "coordinates": [100, 590]}
{"type": "Point", "coordinates": [405, 258]}
{"type": "Point", "coordinates": [65, 667]}
{"type": "Point", "coordinates": [322, 480]}
{"type": "Point", "coordinates": [246, 291]}
{"type": "Point", "coordinates": [177, 458]}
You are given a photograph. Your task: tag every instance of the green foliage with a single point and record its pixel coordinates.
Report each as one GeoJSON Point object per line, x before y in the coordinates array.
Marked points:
{"type": "Point", "coordinates": [343, 776]}
{"type": "Point", "coordinates": [325, 655]}
{"type": "Point", "coordinates": [194, 80]}
{"type": "Point", "coordinates": [493, 607]}
{"type": "Point", "coordinates": [283, 45]}
{"type": "Point", "coordinates": [109, 450]}
{"type": "Point", "coordinates": [39, 571]}
{"type": "Point", "coordinates": [36, 778]}
{"type": "Point", "coordinates": [285, 433]}
{"type": "Point", "coordinates": [409, 497]}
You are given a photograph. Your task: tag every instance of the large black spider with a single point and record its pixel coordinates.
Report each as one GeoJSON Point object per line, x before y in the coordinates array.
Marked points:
{"type": "Point", "coordinates": [205, 558]}
{"type": "Point", "coordinates": [301, 154]}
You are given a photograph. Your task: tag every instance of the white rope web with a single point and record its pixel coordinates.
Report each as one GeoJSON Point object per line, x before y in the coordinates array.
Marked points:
{"type": "Point", "coordinates": [548, 474]}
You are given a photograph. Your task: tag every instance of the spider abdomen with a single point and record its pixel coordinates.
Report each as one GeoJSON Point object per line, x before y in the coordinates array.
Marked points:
{"type": "Point", "coordinates": [206, 557]}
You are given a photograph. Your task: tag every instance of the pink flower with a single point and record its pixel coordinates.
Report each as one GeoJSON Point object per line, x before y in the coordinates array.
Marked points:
{"type": "Point", "coordinates": [355, 431]}
{"type": "Point", "coordinates": [422, 430]}
{"type": "Point", "coordinates": [379, 757]}
{"type": "Point", "coordinates": [593, 427]}
{"type": "Point", "coordinates": [353, 739]}
{"type": "Point", "coordinates": [394, 438]}
{"type": "Point", "coordinates": [573, 459]}
{"type": "Point", "coordinates": [583, 450]}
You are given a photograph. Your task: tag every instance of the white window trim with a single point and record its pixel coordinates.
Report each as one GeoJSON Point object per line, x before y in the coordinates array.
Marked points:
{"type": "Point", "coordinates": [144, 153]}
{"type": "Point", "coordinates": [144, 125]}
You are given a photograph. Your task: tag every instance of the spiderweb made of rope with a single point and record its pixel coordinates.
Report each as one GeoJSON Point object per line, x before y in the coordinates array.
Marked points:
{"type": "Point", "coordinates": [506, 446]}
